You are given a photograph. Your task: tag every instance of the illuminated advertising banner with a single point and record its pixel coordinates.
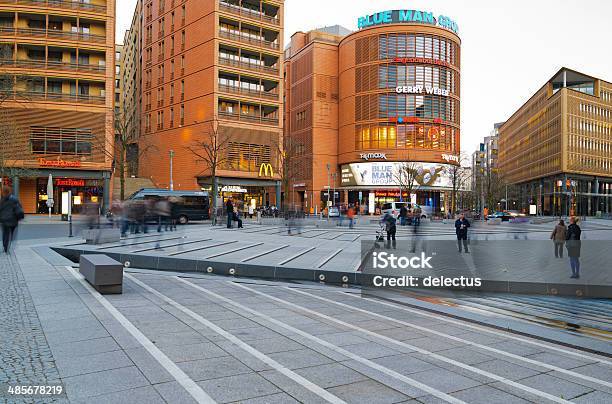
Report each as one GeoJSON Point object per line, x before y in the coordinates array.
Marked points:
{"type": "Point", "coordinates": [406, 16]}
{"type": "Point", "coordinates": [382, 173]}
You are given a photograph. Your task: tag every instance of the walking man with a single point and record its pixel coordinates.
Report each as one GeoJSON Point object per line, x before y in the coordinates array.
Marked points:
{"type": "Point", "coordinates": [573, 245]}
{"type": "Point", "coordinates": [390, 228]}
{"type": "Point", "coordinates": [229, 206]}
{"type": "Point", "coordinates": [461, 228]}
{"type": "Point", "coordinates": [11, 213]}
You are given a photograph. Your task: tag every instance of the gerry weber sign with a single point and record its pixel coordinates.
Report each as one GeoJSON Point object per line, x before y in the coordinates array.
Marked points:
{"type": "Point", "coordinates": [406, 16]}
{"type": "Point", "coordinates": [367, 156]}
{"type": "Point", "coordinates": [421, 90]}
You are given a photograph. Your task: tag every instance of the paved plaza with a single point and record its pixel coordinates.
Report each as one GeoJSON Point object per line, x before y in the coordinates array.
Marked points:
{"type": "Point", "coordinates": [176, 337]}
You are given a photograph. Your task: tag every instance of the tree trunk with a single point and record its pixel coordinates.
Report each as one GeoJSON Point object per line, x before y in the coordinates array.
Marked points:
{"type": "Point", "coordinates": [213, 172]}
{"type": "Point", "coordinates": [122, 175]}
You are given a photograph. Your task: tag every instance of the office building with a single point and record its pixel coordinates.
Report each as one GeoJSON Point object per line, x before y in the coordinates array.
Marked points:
{"type": "Point", "coordinates": [557, 147]}
{"type": "Point", "coordinates": [212, 70]}
{"type": "Point", "coordinates": [57, 98]}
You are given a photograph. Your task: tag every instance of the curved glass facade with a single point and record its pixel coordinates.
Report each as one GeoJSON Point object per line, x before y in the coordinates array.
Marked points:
{"type": "Point", "coordinates": [407, 89]}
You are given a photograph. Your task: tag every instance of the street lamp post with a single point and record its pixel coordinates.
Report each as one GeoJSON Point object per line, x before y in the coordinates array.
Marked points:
{"type": "Point", "coordinates": [328, 188]}
{"type": "Point", "coordinates": [171, 181]}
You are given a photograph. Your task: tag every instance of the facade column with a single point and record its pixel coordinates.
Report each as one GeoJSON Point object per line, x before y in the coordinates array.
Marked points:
{"type": "Point", "coordinates": [278, 195]}
{"type": "Point", "coordinates": [596, 197]}
{"type": "Point", "coordinates": [16, 186]}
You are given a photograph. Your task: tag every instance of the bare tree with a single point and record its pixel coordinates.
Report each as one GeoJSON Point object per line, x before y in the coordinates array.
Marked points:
{"type": "Point", "coordinates": [127, 139]}
{"type": "Point", "coordinates": [288, 152]}
{"type": "Point", "coordinates": [14, 148]}
{"type": "Point", "coordinates": [458, 175]}
{"type": "Point", "coordinates": [406, 176]}
{"type": "Point", "coordinates": [212, 151]}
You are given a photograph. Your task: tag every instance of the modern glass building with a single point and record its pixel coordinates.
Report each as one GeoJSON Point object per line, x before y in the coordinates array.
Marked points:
{"type": "Point", "coordinates": [557, 148]}
{"type": "Point", "coordinates": [387, 94]}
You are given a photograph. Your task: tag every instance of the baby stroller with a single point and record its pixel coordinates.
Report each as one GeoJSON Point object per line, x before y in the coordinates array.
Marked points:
{"type": "Point", "coordinates": [380, 233]}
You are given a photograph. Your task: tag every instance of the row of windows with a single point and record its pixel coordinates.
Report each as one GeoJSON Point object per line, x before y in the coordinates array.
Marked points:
{"type": "Point", "coordinates": [161, 119]}
{"type": "Point", "coordinates": [391, 76]}
{"type": "Point", "coordinates": [420, 106]}
{"type": "Point", "coordinates": [44, 140]}
{"type": "Point", "coordinates": [590, 127]}
{"type": "Point", "coordinates": [584, 162]}
{"type": "Point", "coordinates": [391, 136]}
{"type": "Point", "coordinates": [606, 96]}
{"type": "Point", "coordinates": [417, 45]}
{"type": "Point", "coordinates": [595, 110]}
{"type": "Point", "coordinates": [584, 144]}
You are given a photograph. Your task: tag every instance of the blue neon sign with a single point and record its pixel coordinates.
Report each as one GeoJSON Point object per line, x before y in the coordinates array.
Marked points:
{"type": "Point", "coordinates": [406, 16]}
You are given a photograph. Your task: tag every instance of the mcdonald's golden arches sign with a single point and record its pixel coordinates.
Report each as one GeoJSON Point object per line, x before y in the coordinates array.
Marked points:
{"type": "Point", "coordinates": [266, 170]}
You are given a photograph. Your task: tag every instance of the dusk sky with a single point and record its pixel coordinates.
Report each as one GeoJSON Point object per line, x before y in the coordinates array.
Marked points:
{"type": "Point", "coordinates": [509, 48]}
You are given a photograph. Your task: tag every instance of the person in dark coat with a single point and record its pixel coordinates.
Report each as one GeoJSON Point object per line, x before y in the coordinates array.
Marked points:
{"type": "Point", "coordinates": [391, 228]}
{"type": "Point", "coordinates": [461, 228]}
{"type": "Point", "coordinates": [558, 236]}
{"type": "Point", "coordinates": [403, 214]}
{"type": "Point", "coordinates": [573, 245]}
{"type": "Point", "coordinates": [11, 213]}
{"type": "Point", "coordinates": [229, 206]}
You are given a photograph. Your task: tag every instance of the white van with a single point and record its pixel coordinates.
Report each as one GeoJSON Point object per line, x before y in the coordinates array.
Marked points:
{"type": "Point", "coordinates": [394, 208]}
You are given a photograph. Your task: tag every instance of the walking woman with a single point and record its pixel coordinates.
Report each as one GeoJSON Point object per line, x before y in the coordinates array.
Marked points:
{"type": "Point", "coordinates": [11, 213]}
{"type": "Point", "coordinates": [558, 236]}
{"type": "Point", "coordinates": [573, 245]}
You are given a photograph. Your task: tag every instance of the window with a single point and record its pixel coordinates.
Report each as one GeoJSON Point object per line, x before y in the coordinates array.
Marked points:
{"type": "Point", "coordinates": [183, 39]}
{"type": "Point", "coordinates": [182, 116]}
{"type": "Point", "coordinates": [52, 140]}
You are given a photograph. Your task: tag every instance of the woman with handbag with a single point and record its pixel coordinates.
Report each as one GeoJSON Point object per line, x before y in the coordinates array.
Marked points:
{"type": "Point", "coordinates": [573, 245]}
{"type": "Point", "coordinates": [11, 213]}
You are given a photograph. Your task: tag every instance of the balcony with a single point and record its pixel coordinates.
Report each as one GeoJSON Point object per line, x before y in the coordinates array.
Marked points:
{"type": "Point", "coordinates": [246, 13]}
{"type": "Point", "coordinates": [232, 36]}
{"type": "Point", "coordinates": [52, 65]}
{"type": "Point", "coordinates": [63, 4]}
{"type": "Point", "coordinates": [58, 97]}
{"type": "Point", "coordinates": [248, 66]}
{"type": "Point", "coordinates": [248, 118]}
{"type": "Point", "coordinates": [52, 34]}
{"type": "Point", "coordinates": [247, 92]}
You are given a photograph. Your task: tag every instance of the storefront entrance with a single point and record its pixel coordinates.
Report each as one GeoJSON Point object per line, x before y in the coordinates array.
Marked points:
{"type": "Point", "coordinates": [83, 191]}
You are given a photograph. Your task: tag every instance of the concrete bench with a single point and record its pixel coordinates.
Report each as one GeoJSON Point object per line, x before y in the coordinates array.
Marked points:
{"type": "Point", "coordinates": [102, 272]}
{"type": "Point", "coordinates": [494, 221]}
{"type": "Point", "coordinates": [101, 236]}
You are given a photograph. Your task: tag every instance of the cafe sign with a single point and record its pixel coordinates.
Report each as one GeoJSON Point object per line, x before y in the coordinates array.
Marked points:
{"type": "Point", "coordinates": [59, 163]}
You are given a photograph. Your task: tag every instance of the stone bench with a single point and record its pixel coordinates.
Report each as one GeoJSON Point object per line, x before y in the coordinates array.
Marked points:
{"type": "Point", "coordinates": [102, 272]}
{"type": "Point", "coordinates": [494, 221]}
{"type": "Point", "coordinates": [101, 236]}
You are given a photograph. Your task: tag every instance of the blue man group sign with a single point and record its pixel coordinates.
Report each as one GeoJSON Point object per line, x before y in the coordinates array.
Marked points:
{"type": "Point", "coordinates": [406, 16]}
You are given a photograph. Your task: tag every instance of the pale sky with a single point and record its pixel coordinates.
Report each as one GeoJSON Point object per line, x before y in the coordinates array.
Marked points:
{"type": "Point", "coordinates": [509, 48]}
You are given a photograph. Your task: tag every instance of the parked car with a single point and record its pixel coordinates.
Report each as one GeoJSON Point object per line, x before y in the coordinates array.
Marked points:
{"type": "Point", "coordinates": [504, 216]}
{"type": "Point", "coordinates": [191, 205]}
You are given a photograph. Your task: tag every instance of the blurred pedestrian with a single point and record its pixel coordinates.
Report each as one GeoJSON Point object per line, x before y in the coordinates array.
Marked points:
{"type": "Point", "coordinates": [174, 212]}
{"type": "Point", "coordinates": [11, 212]}
{"type": "Point", "coordinates": [163, 210]}
{"type": "Point", "coordinates": [237, 215]}
{"type": "Point", "coordinates": [92, 215]}
{"type": "Point", "coordinates": [461, 229]}
{"type": "Point", "coordinates": [229, 206]}
{"type": "Point", "coordinates": [573, 245]}
{"type": "Point", "coordinates": [350, 214]}
{"type": "Point", "coordinates": [251, 210]}
{"type": "Point", "coordinates": [403, 215]}
{"type": "Point", "coordinates": [391, 228]}
{"type": "Point", "coordinates": [558, 236]}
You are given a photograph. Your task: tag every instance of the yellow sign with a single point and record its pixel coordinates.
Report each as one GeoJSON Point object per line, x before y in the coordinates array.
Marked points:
{"type": "Point", "coordinates": [265, 170]}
